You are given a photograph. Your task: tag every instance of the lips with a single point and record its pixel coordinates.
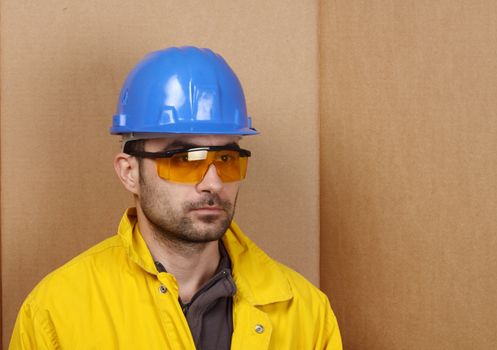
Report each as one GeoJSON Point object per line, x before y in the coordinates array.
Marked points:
{"type": "Point", "coordinates": [209, 204]}
{"type": "Point", "coordinates": [208, 209]}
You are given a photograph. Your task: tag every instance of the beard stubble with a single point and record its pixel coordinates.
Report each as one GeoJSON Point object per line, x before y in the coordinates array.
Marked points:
{"type": "Point", "coordinates": [177, 225]}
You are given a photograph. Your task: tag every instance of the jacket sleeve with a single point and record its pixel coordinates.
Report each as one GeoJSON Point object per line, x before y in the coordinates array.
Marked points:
{"type": "Point", "coordinates": [332, 338]}
{"type": "Point", "coordinates": [33, 330]}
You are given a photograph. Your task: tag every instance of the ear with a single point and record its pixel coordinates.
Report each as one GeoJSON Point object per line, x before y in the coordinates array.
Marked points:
{"type": "Point", "coordinates": [127, 171]}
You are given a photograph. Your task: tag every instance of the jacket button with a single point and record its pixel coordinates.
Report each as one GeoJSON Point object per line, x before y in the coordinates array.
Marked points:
{"type": "Point", "coordinates": [259, 328]}
{"type": "Point", "coordinates": [162, 289]}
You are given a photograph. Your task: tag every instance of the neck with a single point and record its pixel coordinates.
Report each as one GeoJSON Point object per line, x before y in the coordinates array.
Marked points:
{"type": "Point", "coordinates": [192, 264]}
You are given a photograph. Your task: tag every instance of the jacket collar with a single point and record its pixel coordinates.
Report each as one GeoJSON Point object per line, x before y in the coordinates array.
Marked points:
{"type": "Point", "coordinates": [258, 278]}
{"type": "Point", "coordinates": [134, 243]}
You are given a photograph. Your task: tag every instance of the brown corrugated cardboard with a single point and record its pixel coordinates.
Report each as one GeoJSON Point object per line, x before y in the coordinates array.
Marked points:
{"type": "Point", "coordinates": [409, 172]}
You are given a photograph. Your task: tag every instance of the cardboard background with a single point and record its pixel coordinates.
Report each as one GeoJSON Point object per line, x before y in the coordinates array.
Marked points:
{"type": "Point", "coordinates": [409, 172]}
{"type": "Point", "coordinates": [62, 66]}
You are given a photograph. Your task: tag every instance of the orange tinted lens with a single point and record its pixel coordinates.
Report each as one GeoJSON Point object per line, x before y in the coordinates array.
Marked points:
{"type": "Point", "coordinates": [181, 168]}
{"type": "Point", "coordinates": [190, 167]}
{"type": "Point", "coordinates": [230, 166]}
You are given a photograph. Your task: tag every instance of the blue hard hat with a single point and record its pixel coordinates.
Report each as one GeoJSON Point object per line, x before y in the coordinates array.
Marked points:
{"type": "Point", "coordinates": [184, 90]}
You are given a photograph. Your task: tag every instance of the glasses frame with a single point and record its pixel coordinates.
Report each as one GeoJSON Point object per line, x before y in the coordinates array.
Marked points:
{"type": "Point", "coordinates": [171, 153]}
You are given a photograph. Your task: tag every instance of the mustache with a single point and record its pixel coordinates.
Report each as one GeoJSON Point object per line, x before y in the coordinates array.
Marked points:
{"type": "Point", "coordinates": [209, 200]}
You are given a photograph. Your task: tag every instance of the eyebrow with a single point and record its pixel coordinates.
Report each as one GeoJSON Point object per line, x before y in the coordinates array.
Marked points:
{"type": "Point", "coordinates": [177, 144]}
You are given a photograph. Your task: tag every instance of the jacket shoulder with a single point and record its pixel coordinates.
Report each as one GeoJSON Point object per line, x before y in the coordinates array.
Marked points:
{"type": "Point", "coordinates": [76, 270]}
{"type": "Point", "coordinates": [55, 295]}
{"type": "Point", "coordinates": [301, 286]}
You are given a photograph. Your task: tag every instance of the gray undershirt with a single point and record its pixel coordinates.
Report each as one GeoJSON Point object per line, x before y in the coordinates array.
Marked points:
{"type": "Point", "coordinates": [209, 312]}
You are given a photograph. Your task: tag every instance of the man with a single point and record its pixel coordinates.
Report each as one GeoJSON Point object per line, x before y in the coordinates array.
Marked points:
{"type": "Point", "coordinates": [179, 274]}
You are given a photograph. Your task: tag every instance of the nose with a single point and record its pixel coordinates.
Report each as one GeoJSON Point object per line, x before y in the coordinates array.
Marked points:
{"type": "Point", "coordinates": [211, 181]}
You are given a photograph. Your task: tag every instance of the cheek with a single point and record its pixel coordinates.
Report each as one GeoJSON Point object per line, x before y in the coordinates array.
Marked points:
{"type": "Point", "coordinates": [148, 170]}
{"type": "Point", "coordinates": [231, 190]}
{"type": "Point", "coordinates": [153, 185]}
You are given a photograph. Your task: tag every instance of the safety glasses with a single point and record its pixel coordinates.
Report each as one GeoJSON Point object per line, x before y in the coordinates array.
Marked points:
{"type": "Point", "coordinates": [190, 165]}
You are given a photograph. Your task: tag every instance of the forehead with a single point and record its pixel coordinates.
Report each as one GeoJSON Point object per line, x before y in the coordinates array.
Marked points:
{"type": "Point", "coordinates": [193, 140]}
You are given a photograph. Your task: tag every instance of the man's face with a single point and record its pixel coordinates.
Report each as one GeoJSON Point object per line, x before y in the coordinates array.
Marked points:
{"type": "Point", "coordinates": [187, 213]}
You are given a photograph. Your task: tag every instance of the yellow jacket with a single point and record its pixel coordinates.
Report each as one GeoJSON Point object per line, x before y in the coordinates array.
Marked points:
{"type": "Point", "coordinates": [112, 297]}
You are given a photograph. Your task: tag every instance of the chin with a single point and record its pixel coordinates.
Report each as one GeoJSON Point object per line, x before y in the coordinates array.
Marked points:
{"type": "Point", "coordinates": [211, 231]}
{"type": "Point", "coordinates": [207, 238]}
